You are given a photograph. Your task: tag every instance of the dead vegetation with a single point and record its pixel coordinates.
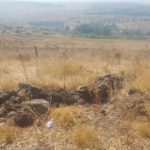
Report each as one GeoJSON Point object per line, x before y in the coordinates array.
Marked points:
{"type": "Point", "coordinates": [8, 133]}
{"type": "Point", "coordinates": [85, 136]}
{"type": "Point", "coordinates": [143, 128]}
{"type": "Point", "coordinates": [65, 117]}
{"type": "Point", "coordinates": [86, 126]}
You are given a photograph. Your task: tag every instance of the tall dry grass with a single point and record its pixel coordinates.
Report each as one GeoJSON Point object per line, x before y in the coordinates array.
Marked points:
{"type": "Point", "coordinates": [69, 62]}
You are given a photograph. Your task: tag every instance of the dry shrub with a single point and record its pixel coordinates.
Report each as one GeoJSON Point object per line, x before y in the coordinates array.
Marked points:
{"type": "Point", "coordinates": [143, 128]}
{"type": "Point", "coordinates": [84, 136]}
{"type": "Point", "coordinates": [8, 133]}
{"type": "Point", "coordinates": [65, 117]}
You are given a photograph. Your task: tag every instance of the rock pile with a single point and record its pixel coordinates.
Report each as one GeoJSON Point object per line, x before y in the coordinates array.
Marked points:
{"type": "Point", "coordinates": [30, 100]}
{"type": "Point", "coordinates": [108, 85]}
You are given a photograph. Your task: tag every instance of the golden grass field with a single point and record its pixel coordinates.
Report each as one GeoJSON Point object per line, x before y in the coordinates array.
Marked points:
{"type": "Point", "coordinates": [61, 61]}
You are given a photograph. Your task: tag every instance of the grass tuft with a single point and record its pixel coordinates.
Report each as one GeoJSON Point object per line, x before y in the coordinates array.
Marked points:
{"type": "Point", "coordinates": [65, 117]}
{"type": "Point", "coordinates": [8, 133]}
{"type": "Point", "coordinates": [143, 128]}
{"type": "Point", "coordinates": [85, 137]}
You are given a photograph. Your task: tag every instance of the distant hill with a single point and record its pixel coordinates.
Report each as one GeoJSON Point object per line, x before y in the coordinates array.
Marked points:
{"type": "Point", "coordinates": [117, 18]}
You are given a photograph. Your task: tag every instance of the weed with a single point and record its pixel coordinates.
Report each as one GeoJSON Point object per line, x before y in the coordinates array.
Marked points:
{"type": "Point", "coordinates": [143, 128]}
{"type": "Point", "coordinates": [65, 117]}
{"type": "Point", "coordinates": [8, 133]}
{"type": "Point", "coordinates": [85, 137]}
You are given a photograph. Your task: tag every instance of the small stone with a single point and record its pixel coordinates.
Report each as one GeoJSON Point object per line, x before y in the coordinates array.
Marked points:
{"type": "Point", "coordinates": [81, 101]}
{"type": "Point", "coordinates": [131, 104]}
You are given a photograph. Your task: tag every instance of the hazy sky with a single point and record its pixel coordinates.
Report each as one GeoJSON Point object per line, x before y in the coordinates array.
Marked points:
{"type": "Point", "coordinates": [145, 1]}
{"type": "Point", "coordinates": [89, 0]}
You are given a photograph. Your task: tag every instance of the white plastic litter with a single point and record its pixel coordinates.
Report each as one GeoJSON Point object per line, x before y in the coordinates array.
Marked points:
{"type": "Point", "coordinates": [50, 123]}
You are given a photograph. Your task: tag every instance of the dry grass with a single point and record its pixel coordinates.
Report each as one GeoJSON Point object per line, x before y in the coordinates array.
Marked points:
{"type": "Point", "coordinates": [85, 136]}
{"type": "Point", "coordinates": [143, 128]}
{"type": "Point", "coordinates": [65, 117]}
{"type": "Point", "coordinates": [147, 107]}
{"type": "Point", "coordinates": [8, 133]}
{"type": "Point", "coordinates": [84, 60]}
{"type": "Point", "coordinates": [142, 81]}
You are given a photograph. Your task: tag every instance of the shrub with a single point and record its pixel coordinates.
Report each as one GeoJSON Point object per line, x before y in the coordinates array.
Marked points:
{"type": "Point", "coordinates": [8, 133]}
{"type": "Point", "coordinates": [65, 117]}
{"type": "Point", "coordinates": [143, 129]}
{"type": "Point", "coordinates": [85, 137]}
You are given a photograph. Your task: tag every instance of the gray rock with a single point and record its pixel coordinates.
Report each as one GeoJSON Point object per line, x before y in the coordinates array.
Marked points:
{"type": "Point", "coordinates": [134, 91]}
{"type": "Point", "coordinates": [131, 104]}
{"type": "Point", "coordinates": [83, 95]}
{"type": "Point", "coordinates": [39, 106]}
{"type": "Point", "coordinates": [81, 101]}
{"type": "Point", "coordinates": [23, 119]}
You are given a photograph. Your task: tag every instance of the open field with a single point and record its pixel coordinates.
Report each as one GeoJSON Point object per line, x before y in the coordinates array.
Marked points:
{"type": "Point", "coordinates": [67, 62]}
{"type": "Point", "coordinates": [72, 61]}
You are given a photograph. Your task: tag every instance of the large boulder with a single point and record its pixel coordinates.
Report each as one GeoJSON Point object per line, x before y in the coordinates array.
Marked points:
{"type": "Point", "coordinates": [23, 119]}
{"type": "Point", "coordinates": [39, 106]}
{"type": "Point", "coordinates": [108, 85]}
{"type": "Point", "coordinates": [83, 95]}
